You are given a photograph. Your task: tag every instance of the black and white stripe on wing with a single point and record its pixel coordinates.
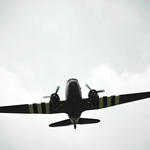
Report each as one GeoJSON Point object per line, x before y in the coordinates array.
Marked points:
{"type": "Point", "coordinates": [121, 99]}
{"type": "Point", "coordinates": [43, 108]}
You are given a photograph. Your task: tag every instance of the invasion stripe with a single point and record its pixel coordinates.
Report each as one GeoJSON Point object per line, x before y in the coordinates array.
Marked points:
{"type": "Point", "coordinates": [39, 108]}
{"type": "Point", "coordinates": [112, 100]}
{"type": "Point", "coordinates": [47, 108]}
{"type": "Point", "coordinates": [101, 102]}
{"type": "Point", "coordinates": [104, 101]}
{"type": "Point", "coordinates": [31, 108]}
{"type": "Point", "coordinates": [35, 108]}
{"type": "Point", "coordinates": [116, 100]}
{"type": "Point", "coordinates": [43, 108]}
{"type": "Point", "coordinates": [108, 101]}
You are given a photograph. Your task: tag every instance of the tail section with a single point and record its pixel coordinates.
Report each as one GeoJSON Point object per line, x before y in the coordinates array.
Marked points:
{"type": "Point", "coordinates": [87, 121]}
{"type": "Point", "coordinates": [66, 122]}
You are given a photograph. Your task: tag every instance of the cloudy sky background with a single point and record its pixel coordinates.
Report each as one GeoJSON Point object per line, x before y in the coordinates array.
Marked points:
{"type": "Point", "coordinates": [101, 42]}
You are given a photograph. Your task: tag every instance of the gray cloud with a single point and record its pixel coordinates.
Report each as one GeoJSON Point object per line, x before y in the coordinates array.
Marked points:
{"type": "Point", "coordinates": [104, 43]}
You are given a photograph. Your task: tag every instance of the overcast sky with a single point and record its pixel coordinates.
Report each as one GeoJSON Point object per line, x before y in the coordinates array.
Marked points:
{"type": "Point", "coordinates": [100, 42]}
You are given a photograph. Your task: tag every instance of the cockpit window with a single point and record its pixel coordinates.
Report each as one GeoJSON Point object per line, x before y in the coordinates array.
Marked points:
{"type": "Point", "coordinates": [73, 79]}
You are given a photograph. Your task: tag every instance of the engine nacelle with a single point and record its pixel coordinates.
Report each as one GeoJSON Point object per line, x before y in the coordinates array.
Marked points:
{"type": "Point", "coordinates": [54, 100]}
{"type": "Point", "coordinates": [94, 97]}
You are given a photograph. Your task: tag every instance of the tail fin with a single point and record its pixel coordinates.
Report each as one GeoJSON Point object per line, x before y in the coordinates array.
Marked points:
{"type": "Point", "coordinates": [66, 122]}
{"type": "Point", "coordinates": [87, 121]}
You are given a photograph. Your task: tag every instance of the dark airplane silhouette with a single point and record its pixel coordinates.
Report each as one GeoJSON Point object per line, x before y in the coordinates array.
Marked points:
{"type": "Point", "coordinates": [74, 104]}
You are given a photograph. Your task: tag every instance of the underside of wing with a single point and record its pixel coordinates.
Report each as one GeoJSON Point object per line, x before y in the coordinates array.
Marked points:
{"type": "Point", "coordinates": [36, 108]}
{"type": "Point", "coordinates": [105, 101]}
{"type": "Point", "coordinates": [121, 99]}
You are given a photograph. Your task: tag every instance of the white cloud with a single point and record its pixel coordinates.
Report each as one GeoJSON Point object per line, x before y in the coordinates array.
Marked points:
{"type": "Point", "coordinates": [118, 121]}
{"type": "Point", "coordinates": [13, 88]}
{"type": "Point", "coordinates": [105, 76]}
{"type": "Point", "coordinates": [44, 43]}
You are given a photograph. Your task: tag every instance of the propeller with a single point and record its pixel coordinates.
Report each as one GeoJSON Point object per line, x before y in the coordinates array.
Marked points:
{"type": "Point", "coordinates": [88, 86]}
{"type": "Point", "coordinates": [99, 91]}
{"type": "Point", "coordinates": [46, 96]}
{"type": "Point", "coordinates": [57, 89]}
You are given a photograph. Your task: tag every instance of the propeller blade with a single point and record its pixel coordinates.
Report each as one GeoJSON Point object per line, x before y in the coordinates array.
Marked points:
{"type": "Point", "coordinates": [57, 89]}
{"type": "Point", "coordinates": [88, 86]}
{"type": "Point", "coordinates": [46, 96]}
{"type": "Point", "coordinates": [100, 91]}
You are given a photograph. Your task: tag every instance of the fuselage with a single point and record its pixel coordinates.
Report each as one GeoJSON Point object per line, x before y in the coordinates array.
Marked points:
{"type": "Point", "coordinates": [74, 96]}
{"type": "Point", "coordinates": [73, 90]}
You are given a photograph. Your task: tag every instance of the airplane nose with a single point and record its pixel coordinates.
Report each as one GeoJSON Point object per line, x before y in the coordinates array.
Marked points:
{"type": "Point", "coordinates": [72, 84]}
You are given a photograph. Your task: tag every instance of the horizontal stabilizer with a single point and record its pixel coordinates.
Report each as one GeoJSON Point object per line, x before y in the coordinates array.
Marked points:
{"type": "Point", "coordinates": [87, 121]}
{"type": "Point", "coordinates": [66, 122]}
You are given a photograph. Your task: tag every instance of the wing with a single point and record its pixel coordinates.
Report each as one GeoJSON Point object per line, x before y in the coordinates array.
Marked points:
{"type": "Point", "coordinates": [114, 100]}
{"type": "Point", "coordinates": [41, 108]}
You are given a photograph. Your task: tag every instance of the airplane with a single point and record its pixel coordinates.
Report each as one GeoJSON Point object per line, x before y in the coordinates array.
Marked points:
{"type": "Point", "coordinates": [74, 105]}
